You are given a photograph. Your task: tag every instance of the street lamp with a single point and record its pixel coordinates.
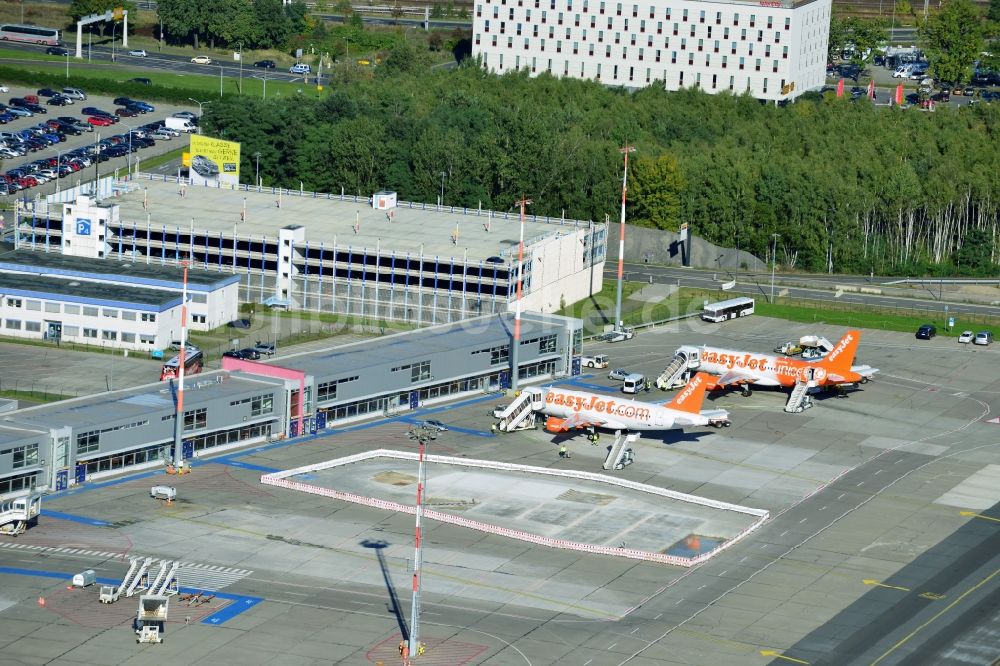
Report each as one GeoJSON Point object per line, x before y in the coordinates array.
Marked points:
{"type": "Point", "coordinates": [441, 200]}
{"type": "Point", "coordinates": [257, 156]}
{"type": "Point", "coordinates": [774, 260]}
{"type": "Point", "coordinates": [241, 68]}
{"type": "Point", "coordinates": [67, 64]}
{"type": "Point", "coordinates": [114, 26]}
{"type": "Point", "coordinates": [130, 130]}
{"type": "Point", "coordinates": [200, 105]}
{"type": "Point", "coordinates": [58, 162]}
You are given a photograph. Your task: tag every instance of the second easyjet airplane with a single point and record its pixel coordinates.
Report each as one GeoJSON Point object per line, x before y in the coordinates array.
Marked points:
{"type": "Point", "coordinates": [569, 410]}
{"type": "Point", "coordinates": [737, 368]}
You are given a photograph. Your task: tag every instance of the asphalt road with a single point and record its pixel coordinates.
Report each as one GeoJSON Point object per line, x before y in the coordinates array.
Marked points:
{"type": "Point", "coordinates": [758, 284]}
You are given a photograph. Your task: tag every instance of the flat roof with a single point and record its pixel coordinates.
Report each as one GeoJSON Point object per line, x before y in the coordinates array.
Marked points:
{"type": "Point", "coordinates": [412, 345]}
{"type": "Point", "coordinates": [144, 274]}
{"type": "Point", "coordinates": [114, 407]}
{"type": "Point", "coordinates": [89, 293]}
{"type": "Point", "coordinates": [329, 220]}
{"type": "Point", "coordinates": [11, 434]}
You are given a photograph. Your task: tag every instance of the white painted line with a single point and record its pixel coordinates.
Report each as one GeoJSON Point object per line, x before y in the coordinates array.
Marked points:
{"type": "Point", "coordinates": [655, 618]}
{"type": "Point", "coordinates": [898, 461]}
{"type": "Point", "coordinates": [612, 645]}
{"type": "Point", "coordinates": [877, 472]}
{"type": "Point", "coordinates": [802, 521]}
{"type": "Point", "coordinates": [823, 508]}
{"type": "Point", "coordinates": [635, 630]}
{"type": "Point", "coordinates": [587, 662]}
{"type": "Point", "coordinates": [841, 495]}
{"type": "Point", "coordinates": [741, 561]}
{"type": "Point", "coordinates": [702, 587]}
{"type": "Point", "coordinates": [861, 483]}
{"type": "Point", "coordinates": [678, 602]}
{"type": "Point", "coordinates": [724, 572]}
{"type": "Point", "coordinates": [784, 533]}
{"type": "Point", "coordinates": [763, 546]}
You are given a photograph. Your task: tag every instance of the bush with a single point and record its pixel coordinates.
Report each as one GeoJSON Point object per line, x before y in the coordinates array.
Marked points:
{"type": "Point", "coordinates": [97, 86]}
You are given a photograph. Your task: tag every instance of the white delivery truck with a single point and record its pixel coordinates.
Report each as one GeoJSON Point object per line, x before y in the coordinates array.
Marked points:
{"type": "Point", "coordinates": [180, 124]}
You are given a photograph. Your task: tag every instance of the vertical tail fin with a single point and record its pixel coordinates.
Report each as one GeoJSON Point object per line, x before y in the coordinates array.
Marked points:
{"type": "Point", "coordinates": [840, 359]}
{"type": "Point", "coordinates": [692, 395]}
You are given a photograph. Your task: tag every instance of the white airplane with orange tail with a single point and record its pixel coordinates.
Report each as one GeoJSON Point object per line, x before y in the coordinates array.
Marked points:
{"type": "Point", "coordinates": [737, 368]}
{"type": "Point", "coordinates": [570, 410]}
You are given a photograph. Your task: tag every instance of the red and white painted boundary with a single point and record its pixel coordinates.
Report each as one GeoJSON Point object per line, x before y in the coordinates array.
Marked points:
{"type": "Point", "coordinates": [281, 480]}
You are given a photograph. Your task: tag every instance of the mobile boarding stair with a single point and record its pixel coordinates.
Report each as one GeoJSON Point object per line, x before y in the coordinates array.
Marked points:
{"type": "Point", "coordinates": [799, 399]}
{"type": "Point", "coordinates": [621, 455]}
{"type": "Point", "coordinates": [137, 578]}
{"type": "Point", "coordinates": [151, 618]}
{"type": "Point", "coordinates": [686, 359]}
{"type": "Point", "coordinates": [18, 513]}
{"type": "Point", "coordinates": [520, 414]}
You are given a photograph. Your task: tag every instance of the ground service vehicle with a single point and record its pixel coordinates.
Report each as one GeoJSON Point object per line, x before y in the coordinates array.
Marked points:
{"type": "Point", "coordinates": [193, 363]}
{"type": "Point", "coordinates": [731, 309]}
{"type": "Point", "coordinates": [634, 383]}
{"type": "Point", "coordinates": [598, 361]}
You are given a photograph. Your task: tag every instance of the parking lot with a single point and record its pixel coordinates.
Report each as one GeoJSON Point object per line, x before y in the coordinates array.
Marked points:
{"type": "Point", "coordinates": [875, 548]}
{"type": "Point", "coordinates": [123, 127]}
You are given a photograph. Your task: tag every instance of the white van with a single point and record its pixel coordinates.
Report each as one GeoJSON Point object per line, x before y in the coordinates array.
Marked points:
{"type": "Point", "coordinates": [74, 93]}
{"type": "Point", "coordinates": [300, 68]}
{"type": "Point", "coordinates": [903, 72]}
{"type": "Point", "coordinates": [634, 383]}
{"type": "Point", "coordinates": [179, 124]}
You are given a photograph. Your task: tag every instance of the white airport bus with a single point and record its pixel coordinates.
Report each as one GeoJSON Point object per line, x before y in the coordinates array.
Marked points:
{"type": "Point", "coordinates": [731, 309]}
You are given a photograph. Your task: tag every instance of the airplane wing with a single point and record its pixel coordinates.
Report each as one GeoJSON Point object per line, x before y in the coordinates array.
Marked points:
{"type": "Point", "coordinates": [706, 416]}
{"type": "Point", "coordinates": [580, 421]}
{"type": "Point", "coordinates": [732, 377]}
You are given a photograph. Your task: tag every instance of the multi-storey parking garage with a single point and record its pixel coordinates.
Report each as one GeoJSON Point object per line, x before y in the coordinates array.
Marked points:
{"type": "Point", "coordinates": [369, 257]}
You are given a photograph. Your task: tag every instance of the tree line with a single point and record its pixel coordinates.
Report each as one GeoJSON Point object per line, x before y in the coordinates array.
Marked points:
{"type": "Point", "coordinates": [848, 186]}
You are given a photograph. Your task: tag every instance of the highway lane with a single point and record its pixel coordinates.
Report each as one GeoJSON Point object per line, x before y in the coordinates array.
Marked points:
{"type": "Point", "coordinates": [758, 284]}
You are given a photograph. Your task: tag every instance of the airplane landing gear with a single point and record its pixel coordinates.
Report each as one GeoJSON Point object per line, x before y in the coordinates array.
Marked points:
{"type": "Point", "coordinates": [746, 390]}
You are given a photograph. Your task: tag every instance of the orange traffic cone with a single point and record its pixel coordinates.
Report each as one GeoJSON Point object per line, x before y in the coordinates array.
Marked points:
{"type": "Point", "coordinates": [41, 601]}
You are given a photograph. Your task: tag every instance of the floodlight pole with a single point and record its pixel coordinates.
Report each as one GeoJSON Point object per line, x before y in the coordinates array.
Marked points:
{"type": "Point", "coordinates": [414, 637]}
{"type": "Point", "coordinates": [774, 260]}
{"type": "Point", "coordinates": [516, 345]}
{"type": "Point", "coordinates": [625, 150]}
{"type": "Point", "coordinates": [178, 457]}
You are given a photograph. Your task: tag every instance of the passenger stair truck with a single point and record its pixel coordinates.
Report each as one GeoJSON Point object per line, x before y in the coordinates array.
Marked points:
{"type": "Point", "coordinates": [680, 368]}
{"type": "Point", "coordinates": [799, 399]}
{"type": "Point", "coordinates": [151, 618]}
{"type": "Point", "coordinates": [620, 455]}
{"type": "Point", "coordinates": [19, 513]}
{"type": "Point", "coordinates": [137, 577]}
{"type": "Point", "coordinates": [520, 414]}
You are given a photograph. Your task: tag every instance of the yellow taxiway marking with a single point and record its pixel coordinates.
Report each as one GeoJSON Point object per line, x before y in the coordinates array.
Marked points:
{"type": "Point", "coordinates": [778, 655]}
{"type": "Point", "coordinates": [876, 583]}
{"type": "Point", "coordinates": [936, 616]}
{"type": "Point", "coordinates": [973, 514]}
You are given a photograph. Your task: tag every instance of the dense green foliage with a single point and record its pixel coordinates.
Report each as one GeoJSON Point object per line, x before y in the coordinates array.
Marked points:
{"type": "Point", "coordinates": [94, 86]}
{"type": "Point", "coordinates": [251, 24]}
{"type": "Point", "coordinates": [849, 187]}
{"type": "Point", "coordinates": [953, 38]}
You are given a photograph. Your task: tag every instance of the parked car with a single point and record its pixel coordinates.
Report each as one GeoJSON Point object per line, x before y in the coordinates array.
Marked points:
{"type": "Point", "coordinates": [619, 335]}
{"type": "Point", "coordinates": [434, 424]}
{"type": "Point", "coordinates": [234, 353]}
{"type": "Point", "coordinates": [264, 348]}
{"type": "Point", "coordinates": [145, 107]}
{"type": "Point", "coordinates": [161, 135]}
{"type": "Point", "coordinates": [122, 101]}
{"type": "Point", "coordinates": [4, 88]}
{"type": "Point", "coordinates": [926, 332]}
{"type": "Point", "coordinates": [59, 100]}
{"type": "Point", "coordinates": [300, 68]}
{"type": "Point", "coordinates": [92, 111]}
{"type": "Point", "coordinates": [74, 93]}
{"type": "Point", "coordinates": [239, 323]}
{"type": "Point", "coordinates": [201, 60]}
{"type": "Point", "coordinates": [57, 50]}
{"type": "Point", "coordinates": [965, 337]}
{"type": "Point", "coordinates": [35, 108]}
{"type": "Point", "coordinates": [100, 121]}
{"type": "Point", "coordinates": [46, 92]}
{"type": "Point", "coordinates": [126, 112]}
{"type": "Point", "coordinates": [137, 53]}
{"type": "Point", "coordinates": [499, 410]}
{"type": "Point", "coordinates": [983, 338]}
{"type": "Point", "coordinates": [188, 115]}
{"type": "Point", "coordinates": [618, 374]}
{"type": "Point", "coordinates": [264, 64]}
{"type": "Point", "coordinates": [250, 353]}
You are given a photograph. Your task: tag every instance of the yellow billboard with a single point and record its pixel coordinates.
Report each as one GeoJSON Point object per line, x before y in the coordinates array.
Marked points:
{"type": "Point", "coordinates": [214, 161]}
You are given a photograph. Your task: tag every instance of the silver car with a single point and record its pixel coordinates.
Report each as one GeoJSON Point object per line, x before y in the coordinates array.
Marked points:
{"type": "Point", "coordinates": [618, 374]}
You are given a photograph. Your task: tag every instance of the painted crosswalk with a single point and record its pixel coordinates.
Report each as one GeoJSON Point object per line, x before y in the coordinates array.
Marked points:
{"type": "Point", "coordinates": [192, 575]}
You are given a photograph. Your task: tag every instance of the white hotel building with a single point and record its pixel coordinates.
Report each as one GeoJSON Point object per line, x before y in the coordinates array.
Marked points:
{"type": "Point", "coordinates": [775, 49]}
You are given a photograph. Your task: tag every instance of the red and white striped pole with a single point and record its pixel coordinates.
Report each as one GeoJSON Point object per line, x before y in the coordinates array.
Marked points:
{"type": "Point", "coordinates": [621, 239]}
{"type": "Point", "coordinates": [179, 415]}
{"type": "Point", "coordinates": [414, 638]}
{"type": "Point", "coordinates": [516, 346]}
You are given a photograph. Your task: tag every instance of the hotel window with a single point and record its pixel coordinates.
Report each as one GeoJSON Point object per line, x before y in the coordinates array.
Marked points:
{"type": "Point", "coordinates": [614, 73]}
{"type": "Point", "coordinates": [619, 12]}
{"type": "Point", "coordinates": [725, 33]}
{"type": "Point", "coordinates": [631, 73]}
{"type": "Point", "coordinates": [765, 87]}
{"type": "Point", "coordinates": [109, 335]}
{"type": "Point", "coordinates": [657, 55]}
{"type": "Point", "coordinates": [543, 17]}
{"type": "Point", "coordinates": [715, 48]}
{"type": "Point", "coordinates": [600, 36]}
{"type": "Point", "coordinates": [724, 58]}
{"type": "Point", "coordinates": [633, 40]}
{"type": "Point", "coordinates": [777, 38]}
{"type": "Point", "coordinates": [684, 15]}
{"type": "Point", "coordinates": [675, 29]}
{"type": "Point", "coordinates": [767, 51]}
{"type": "Point", "coordinates": [757, 66]}
{"type": "Point", "coordinates": [718, 21]}
{"type": "Point", "coordinates": [601, 8]}
{"type": "Point", "coordinates": [774, 66]}
{"type": "Point", "coordinates": [683, 44]}
{"type": "Point", "coordinates": [692, 31]}
{"type": "Point", "coordinates": [701, 44]}
{"type": "Point", "coordinates": [667, 14]}
{"type": "Point", "coordinates": [559, 19]}
{"type": "Point", "coordinates": [518, 30]}
{"type": "Point", "coordinates": [753, 20]}
{"type": "Point", "coordinates": [673, 57]}
{"type": "Point", "coordinates": [743, 35]}
{"type": "Point", "coordinates": [635, 11]}
{"type": "Point", "coordinates": [659, 27]}
{"type": "Point", "coordinates": [559, 47]}
{"type": "Point", "coordinates": [647, 75]}
{"type": "Point", "coordinates": [770, 22]}
{"type": "Point", "coordinates": [732, 81]}
{"type": "Point", "coordinates": [607, 52]}
{"type": "Point", "coordinates": [741, 62]}
{"type": "Point", "coordinates": [701, 16]}
{"type": "Point", "coordinates": [690, 58]}
{"type": "Point", "coordinates": [486, 25]}
{"type": "Point", "coordinates": [736, 19]}
{"type": "Point", "coordinates": [618, 38]}
{"type": "Point", "coordinates": [788, 24]}
{"type": "Point", "coordinates": [576, 21]}
{"type": "Point", "coordinates": [510, 42]}
{"type": "Point", "coordinates": [640, 54]}
{"type": "Point", "coordinates": [784, 52]}
{"type": "Point", "coordinates": [733, 49]}
{"type": "Point", "coordinates": [576, 47]}
{"type": "Point", "coordinates": [760, 35]}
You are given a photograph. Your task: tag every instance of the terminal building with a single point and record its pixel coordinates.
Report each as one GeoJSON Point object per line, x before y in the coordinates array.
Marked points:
{"type": "Point", "coordinates": [54, 446]}
{"type": "Point", "coordinates": [772, 50]}
{"type": "Point", "coordinates": [51, 296]}
{"type": "Point", "coordinates": [369, 257]}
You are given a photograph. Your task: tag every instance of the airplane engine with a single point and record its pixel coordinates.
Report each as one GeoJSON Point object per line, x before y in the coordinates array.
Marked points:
{"type": "Point", "coordinates": [555, 424]}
